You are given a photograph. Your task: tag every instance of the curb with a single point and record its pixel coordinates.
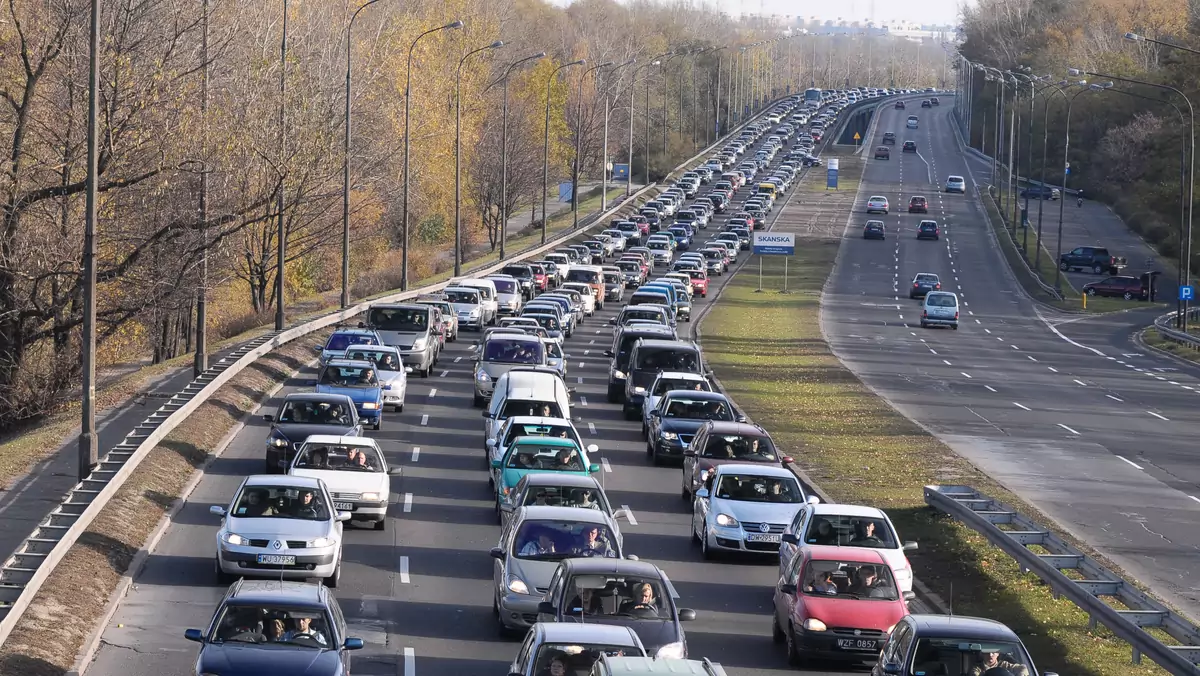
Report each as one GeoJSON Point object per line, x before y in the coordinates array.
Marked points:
{"type": "Point", "coordinates": [92, 645]}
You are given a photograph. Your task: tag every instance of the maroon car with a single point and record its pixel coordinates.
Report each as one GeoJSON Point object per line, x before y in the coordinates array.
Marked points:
{"type": "Point", "coordinates": [918, 205]}
{"type": "Point", "coordinates": [722, 443]}
{"type": "Point", "coordinates": [1119, 286]}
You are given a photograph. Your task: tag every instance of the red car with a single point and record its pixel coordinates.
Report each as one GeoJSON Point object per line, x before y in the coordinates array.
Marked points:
{"type": "Point", "coordinates": [540, 278]}
{"type": "Point", "coordinates": [837, 603]}
{"type": "Point", "coordinates": [641, 261]}
{"type": "Point", "coordinates": [699, 282]}
{"type": "Point", "coordinates": [642, 224]}
{"type": "Point", "coordinates": [750, 220]}
{"type": "Point", "coordinates": [918, 205]}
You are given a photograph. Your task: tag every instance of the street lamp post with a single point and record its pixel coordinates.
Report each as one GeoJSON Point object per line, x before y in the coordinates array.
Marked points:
{"type": "Point", "coordinates": [666, 117]}
{"type": "Point", "coordinates": [504, 151]}
{"type": "Point", "coordinates": [88, 439]}
{"type": "Point", "coordinates": [200, 358]}
{"type": "Point", "coordinates": [579, 143]}
{"type": "Point", "coordinates": [604, 162]}
{"type": "Point", "coordinates": [632, 95]}
{"type": "Point", "coordinates": [1057, 88]}
{"type": "Point", "coordinates": [281, 235]}
{"type": "Point", "coordinates": [1066, 173]}
{"type": "Point", "coordinates": [546, 151]}
{"type": "Point", "coordinates": [407, 174]}
{"type": "Point", "coordinates": [458, 257]}
{"type": "Point", "coordinates": [716, 128]}
{"type": "Point", "coordinates": [346, 167]}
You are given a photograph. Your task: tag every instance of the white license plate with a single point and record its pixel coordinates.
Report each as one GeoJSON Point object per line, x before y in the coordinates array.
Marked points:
{"type": "Point", "coordinates": [344, 506]}
{"type": "Point", "coordinates": [761, 537]}
{"type": "Point", "coordinates": [856, 644]}
{"type": "Point", "coordinates": [277, 559]}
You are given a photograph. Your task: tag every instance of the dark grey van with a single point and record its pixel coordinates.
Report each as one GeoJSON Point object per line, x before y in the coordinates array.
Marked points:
{"type": "Point", "coordinates": [650, 356]}
{"type": "Point", "coordinates": [623, 341]}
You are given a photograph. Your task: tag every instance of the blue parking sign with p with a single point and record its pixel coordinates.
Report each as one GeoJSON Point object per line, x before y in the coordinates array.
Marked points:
{"type": "Point", "coordinates": [1187, 293]}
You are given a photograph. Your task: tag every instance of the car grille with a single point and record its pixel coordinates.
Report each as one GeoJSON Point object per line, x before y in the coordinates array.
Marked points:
{"type": "Point", "coordinates": [762, 546]}
{"type": "Point", "coordinates": [862, 633]}
{"type": "Point", "coordinates": [259, 543]}
{"type": "Point", "coordinates": [751, 527]}
{"type": "Point", "coordinates": [292, 544]}
{"type": "Point", "coordinates": [346, 496]}
{"type": "Point", "coordinates": [541, 590]}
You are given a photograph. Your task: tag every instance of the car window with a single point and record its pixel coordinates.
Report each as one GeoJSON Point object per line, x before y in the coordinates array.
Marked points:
{"type": "Point", "coordinates": [398, 319]}
{"type": "Point", "coordinates": [463, 297]}
{"type": "Point", "coordinates": [694, 408]}
{"type": "Point", "coordinates": [546, 409]}
{"type": "Point", "coordinates": [505, 351]}
{"type": "Point", "coordinates": [340, 458]}
{"type": "Point", "coordinates": [552, 458]}
{"type": "Point", "coordinates": [297, 627]}
{"type": "Point", "coordinates": [567, 496]}
{"type": "Point", "coordinates": [558, 658]}
{"type": "Point", "coordinates": [968, 653]}
{"type": "Point", "coordinates": [349, 376]}
{"type": "Point", "coordinates": [548, 429]}
{"type": "Point", "coordinates": [505, 285]}
{"type": "Point", "coordinates": [739, 447]}
{"type": "Point", "coordinates": [927, 279]}
{"type": "Point", "coordinates": [341, 341]}
{"type": "Point", "coordinates": [280, 502]}
{"type": "Point", "coordinates": [313, 413]}
{"type": "Point", "coordinates": [850, 531]}
{"type": "Point", "coordinates": [383, 359]}
{"type": "Point", "coordinates": [667, 359]}
{"type": "Point", "coordinates": [622, 595]}
{"type": "Point", "coordinates": [750, 488]}
{"type": "Point", "coordinates": [554, 540]}
{"type": "Point", "coordinates": [850, 579]}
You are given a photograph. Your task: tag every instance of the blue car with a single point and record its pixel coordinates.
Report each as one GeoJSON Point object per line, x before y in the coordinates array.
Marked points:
{"type": "Point", "coordinates": [359, 381]}
{"type": "Point", "coordinates": [341, 340]}
{"type": "Point", "coordinates": [682, 239]}
{"type": "Point", "coordinates": [244, 638]}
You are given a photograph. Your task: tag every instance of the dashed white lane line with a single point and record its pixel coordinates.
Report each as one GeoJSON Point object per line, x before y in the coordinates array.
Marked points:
{"type": "Point", "coordinates": [433, 393]}
{"type": "Point", "coordinates": [592, 341]}
{"type": "Point", "coordinates": [1033, 358]}
{"type": "Point", "coordinates": [581, 364]}
{"type": "Point", "coordinates": [1114, 398]}
{"type": "Point", "coordinates": [968, 375]}
{"type": "Point", "coordinates": [1080, 382]}
{"type": "Point", "coordinates": [579, 380]}
{"type": "Point", "coordinates": [988, 331]}
{"type": "Point", "coordinates": [999, 339]}
{"type": "Point", "coordinates": [443, 374]}
{"type": "Point", "coordinates": [457, 359]}
{"type": "Point", "coordinates": [410, 662]}
{"type": "Point", "coordinates": [592, 428]}
{"type": "Point", "coordinates": [582, 400]}
{"type": "Point", "coordinates": [425, 419]}
{"type": "Point", "coordinates": [629, 515]}
{"type": "Point", "coordinates": [407, 503]}
{"type": "Point", "coordinates": [416, 453]}
{"type": "Point", "coordinates": [604, 463]}
{"type": "Point", "coordinates": [403, 570]}
{"type": "Point", "coordinates": [1160, 417]}
{"type": "Point", "coordinates": [1069, 430]}
{"type": "Point", "coordinates": [1194, 498]}
{"type": "Point", "coordinates": [1052, 369]}
{"type": "Point", "coordinates": [586, 352]}
{"type": "Point", "coordinates": [1014, 347]}
{"type": "Point", "coordinates": [932, 351]}
{"type": "Point", "coordinates": [990, 388]}
{"type": "Point", "coordinates": [947, 362]}
{"type": "Point", "coordinates": [1021, 406]}
{"type": "Point", "coordinates": [1134, 464]}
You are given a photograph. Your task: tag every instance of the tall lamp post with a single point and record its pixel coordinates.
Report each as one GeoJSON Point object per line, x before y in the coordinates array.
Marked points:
{"type": "Point", "coordinates": [407, 174]}
{"type": "Point", "coordinates": [88, 440]}
{"type": "Point", "coordinates": [200, 358]}
{"type": "Point", "coordinates": [716, 128]}
{"type": "Point", "coordinates": [604, 161]}
{"type": "Point", "coordinates": [1066, 172]}
{"type": "Point", "coordinates": [346, 167]}
{"type": "Point", "coordinates": [579, 143]}
{"type": "Point", "coordinates": [632, 95]}
{"type": "Point", "coordinates": [281, 235]}
{"type": "Point", "coordinates": [666, 118]}
{"type": "Point", "coordinates": [1060, 89]}
{"type": "Point", "coordinates": [504, 150]}
{"type": "Point", "coordinates": [546, 151]}
{"type": "Point", "coordinates": [458, 257]}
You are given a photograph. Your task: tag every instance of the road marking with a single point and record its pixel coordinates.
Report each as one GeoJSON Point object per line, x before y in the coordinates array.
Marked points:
{"type": "Point", "coordinates": [1021, 406]}
{"type": "Point", "coordinates": [1080, 382]}
{"type": "Point", "coordinates": [999, 339]}
{"type": "Point", "coordinates": [1160, 417]}
{"type": "Point", "coordinates": [901, 316]}
{"type": "Point", "coordinates": [989, 331]}
{"type": "Point", "coordinates": [1072, 431]}
{"type": "Point", "coordinates": [443, 374]}
{"type": "Point", "coordinates": [629, 512]}
{"type": "Point", "coordinates": [433, 393]}
{"type": "Point", "coordinates": [965, 373]}
{"type": "Point", "coordinates": [990, 388]}
{"type": "Point", "coordinates": [457, 359]}
{"type": "Point", "coordinates": [592, 341]}
{"type": "Point", "coordinates": [592, 428]}
{"type": "Point", "coordinates": [581, 364]}
{"type": "Point", "coordinates": [410, 662]}
{"type": "Point", "coordinates": [947, 363]}
{"type": "Point", "coordinates": [599, 330]}
{"type": "Point", "coordinates": [1014, 347]}
{"type": "Point", "coordinates": [579, 380]}
{"type": "Point", "coordinates": [407, 503]}
{"type": "Point", "coordinates": [1114, 398]}
{"type": "Point", "coordinates": [403, 570]}
{"type": "Point", "coordinates": [1194, 498]}
{"type": "Point", "coordinates": [1134, 464]}
{"type": "Point", "coordinates": [416, 453]}
{"type": "Point", "coordinates": [425, 419]}
{"type": "Point", "coordinates": [1172, 382]}
{"type": "Point", "coordinates": [604, 463]}
{"type": "Point", "coordinates": [932, 351]}
{"type": "Point", "coordinates": [586, 352]}
{"type": "Point", "coordinates": [582, 400]}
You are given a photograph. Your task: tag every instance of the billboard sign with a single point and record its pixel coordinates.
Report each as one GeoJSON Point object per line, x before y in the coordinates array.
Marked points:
{"type": "Point", "coordinates": [774, 243]}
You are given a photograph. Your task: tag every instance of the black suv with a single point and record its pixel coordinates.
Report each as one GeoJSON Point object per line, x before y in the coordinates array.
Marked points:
{"type": "Point", "coordinates": [523, 274]}
{"type": "Point", "coordinates": [889, 138]}
{"type": "Point", "coordinates": [926, 104]}
{"type": "Point", "coordinates": [1094, 258]}
{"type": "Point", "coordinates": [722, 443]}
{"type": "Point", "coordinates": [647, 358]}
{"type": "Point", "coordinates": [622, 348]}
{"type": "Point", "coordinates": [928, 230]}
{"type": "Point", "coordinates": [910, 147]}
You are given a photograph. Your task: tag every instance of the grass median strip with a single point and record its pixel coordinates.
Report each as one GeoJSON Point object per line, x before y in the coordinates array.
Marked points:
{"type": "Point", "coordinates": [73, 599]}
{"type": "Point", "coordinates": [769, 353]}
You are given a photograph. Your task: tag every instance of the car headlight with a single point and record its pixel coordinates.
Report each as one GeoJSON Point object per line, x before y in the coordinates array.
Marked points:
{"type": "Point", "coordinates": [278, 442]}
{"type": "Point", "coordinates": [670, 651]}
{"type": "Point", "coordinates": [639, 390]}
{"type": "Point", "coordinates": [726, 520]}
{"type": "Point", "coordinates": [517, 586]}
{"type": "Point", "coordinates": [483, 377]}
{"type": "Point", "coordinates": [703, 475]}
{"type": "Point", "coordinates": [418, 344]}
{"type": "Point", "coordinates": [889, 629]}
{"type": "Point", "coordinates": [234, 539]}
{"type": "Point", "coordinates": [371, 496]}
{"type": "Point", "coordinates": [370, 405]}
{"type": "Point", "coordinates": [669, 436]}
{"type": "Point", "coordinates": [474, 312]}
{"type": "Point", "coordinates": [812, 624]}
{"type": "Point", "coordinates": [320, 542]}
{"type": "Point", "coordinates": [619, 375]}
{"type": "Point", "coordinates": [904, 573]}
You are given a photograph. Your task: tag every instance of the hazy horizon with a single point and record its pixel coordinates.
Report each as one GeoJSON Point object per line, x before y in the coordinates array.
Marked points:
{"type": "Point", "coordinates": [938, 12]}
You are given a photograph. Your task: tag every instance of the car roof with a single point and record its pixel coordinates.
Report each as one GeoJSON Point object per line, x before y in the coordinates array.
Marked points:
{"type": "Point", "coordinates": [562, 479]}
{"type": "Point", "coordinates": [672, 344]}
{"type": "Point", "coordinates": [755, 469]}
{"type": "Point", "coordinates": [835, 509]}
{"type": "Point", "coordinates": [959, 626]}
{"type": "Point", "coordinates": [835, 553]}
{"type": "Point", "coordinates": [647, 331]}
{"type": "Point", "coordinates": [314, 396]}
{"type": "Point", "coordinates": [731, 427]}
{"type": "Point", "coordinates": [545, 441]}
{"type": "Point", "coordinates": [664, 665]}
{"type": "Point", "coordinates": [354, 363]}
{"type": "Point", "coordinates": [585, 566]}
{"type": "Point", "coordinates": [287, 480]}
{"type": "Point", "coordinates": [372, 348]}
{"type": "Point", "coordinates": [348, 331]}
{"type": "Point", "coordinates": [522, 379]}
{"type": "Point", "coordinates": [506, 333]}
{"type": "Point", "coordinates": [682, 375]}
{"type": "Point", "coordinates": [574, 633]}
{"type": "Point", "coordinates": [336, 440]}
{"type": "Point", "coordinates": [460, 288]}
{"type": "Point", "coordinates": [559, 513]}
{"type": "Point", "coordinates": [279, 592]}
{"type": "Point", "coordinates": [942, 293]}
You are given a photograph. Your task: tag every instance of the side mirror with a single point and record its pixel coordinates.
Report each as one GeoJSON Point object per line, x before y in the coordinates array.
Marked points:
{"type": "Point", "coordinates": [687, 615]}
{"type": "Point", "coordinates": [894, 668]}
{"type": "Point", "coordinates": [787, 588]}
{"type": "Point", "coordinates": [593, 468]}
{"type": "Point", "coordinates": [395, 471]}
{"type": "Point", "coordinates": [487, 414]}
{"type": "Point", "coordinates": [362, 325]}
{"type": "Point", "coordinates": [813, 500]}
{"type": "Point", "coordinates": [491, 443]}
{"type": "Point", "coordinates": [546, 608]}
{"type": "Point", "coordinates": [507, 507]}
{"type": "Point", "coordinates": [353, 644]}
{"type": "Point", "coordinates": [319, 348]}
{"type": "Point", "coordinates": [593, 448]}
{"type": "Point", "coordinates": [609, 353]}
{"type": "Point", "coordinates": [194, 635]}
{"type": "Point", "coordinates": [910, 596]}
{"type": "Point", "coordinates": [216, 510]}
{"type": "Point", "coordinates": [408, 369]}
{"type": "Point", "coordinates": [495, 464]}
{"type": "Point", "coordinates": [497, 553]}
{"type": "Point", "coordinates": [702, 493]}
{"type": "Point", "coordinates": [612, 321]}
{"type": "Point", "coordinates": [689, 453]}
{"type": "Point", "coordinates": [910, 546]}
{"type": "Point", "coordinates": [787, 460]}
{"type": "Point", "coordinates": [343, 516]}
{"type": "Point", "coordinates": [269, 418]}
{"type": "Point", "coordinates": [621, 514]}
{"type": "Point", "coordinates": [790, 538]}
{"type": "Point", "coordinates": [740, 418]}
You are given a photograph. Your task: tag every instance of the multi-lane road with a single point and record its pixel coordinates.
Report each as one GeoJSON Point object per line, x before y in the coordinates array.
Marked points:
{"type": "Point", "coordinates": [1062, 410]}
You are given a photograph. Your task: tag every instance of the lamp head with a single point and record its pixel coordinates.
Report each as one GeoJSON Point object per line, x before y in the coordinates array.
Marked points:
{"type": "Point", "coordinates": [454, 24]}
{"type": "Point", "coordinates": [581, 62]}
{"type": "Point", "coordinates": [539, 55]}
{"type": "Point", "coordinates": [496, 45]}
{"type": "Point", "coordinates": [1134, 37]}
{"type": "Point", "coordinates": [1074, 72]}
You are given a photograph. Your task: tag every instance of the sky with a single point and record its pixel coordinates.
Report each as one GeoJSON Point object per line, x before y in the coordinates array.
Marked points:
{"type": "Point", "coordinates": [940, 12]}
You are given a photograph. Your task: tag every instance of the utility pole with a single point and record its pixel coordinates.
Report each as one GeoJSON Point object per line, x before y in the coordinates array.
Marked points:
{"type": "Point", "coordinates": [88, 443]}
{"type": "Point", "coordinates": [281, 245]}
{"type": "Point", "coordinates": [200, 358]}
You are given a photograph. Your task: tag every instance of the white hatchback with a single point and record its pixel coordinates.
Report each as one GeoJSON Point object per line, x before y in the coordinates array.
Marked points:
{"type": "Point", "coordinates": [848, 526]}
{"type": "Point", "coordinates": [354, 470]}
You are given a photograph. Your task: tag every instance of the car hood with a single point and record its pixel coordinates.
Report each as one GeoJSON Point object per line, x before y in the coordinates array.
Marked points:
{"type": "Point", "coordinates": [681, 425]}
{"type": "Point", "coordinates": [298, 432]}
{"type": "Point", "coordinates": [510, 477]}
{"type": "Point", "coordinates": [536, 574]}
{"type": "Point", "coordinates": [508, 298]}
{"type": "Point", "coordinates": [348, 481]}
{"type": "Point", "coordinates": [709, 463]}
{"type": "Point", "coordinates": [653, 633]}
{"type": "Point", "coordinates": [757, 512]}
{"type": "Point", "coordinates": [358, 395]}
{"type": "Point", "coordinates": [464, 307]}
{"type": "Point", "coordinates": [392, 378]}
{"type": "Point", "coordinates": [857, 613]}
{"type": "Point", "coordinates": [401, 339]}
{"type": "Point", "coordinates": [250, 659]}
{"type": "Point", "coordinates": [272, 528]}
{"type": "Point", "coordinates": [496, 369]}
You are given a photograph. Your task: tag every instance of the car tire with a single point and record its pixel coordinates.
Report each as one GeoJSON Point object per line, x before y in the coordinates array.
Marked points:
{"type": "Point", "coordinates": [1064, 267]}
{"type": "Point", "coordinates": [924, 325]}
{"type": "Point", "coordinates": [478, 401]}
{"type": "Point", "coordinates": [777, 634]}
{"type": "Point", "coordinates": [1128, 296]}
{"type": "Point", "coordinates": [1097, 269]}
{"type": "Point", "coordinates": [223, 578]}
{"type": "Point", "coordinates": [954, 326]}
{"type": "Point", "coordinates": [271, 467]}
{"type": "Point", "coordinates": [794, 657]}
{"type": "Point", "coordinates": [630, 414]}
{"type": "Point", "coordinates": [333, 580]}
{"type": "Point", "coordinates": [615, 395]}
{"type": "Point", "coordinates": [378, 425]}
{"type": "Point", "coordinates": [1091, 292]}
{"type": "Point", "coordinates": [705, 550]}
{"type": "Point", "coordinates": [381, 524]}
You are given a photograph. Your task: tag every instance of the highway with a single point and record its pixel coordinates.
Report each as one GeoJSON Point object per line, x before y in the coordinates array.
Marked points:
{"type": "Point", "coordinates": [420, 592]}
{"type": "Point", "coordinates": [1065, 412]}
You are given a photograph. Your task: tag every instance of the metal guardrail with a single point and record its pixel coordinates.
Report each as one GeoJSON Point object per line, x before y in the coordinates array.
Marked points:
{"type": "Point", "coordinates": [28, 568]}
{"type": "Point", "coordinates": [986, 515]}
{"type": "Point", "coordinates": [1164, 328]}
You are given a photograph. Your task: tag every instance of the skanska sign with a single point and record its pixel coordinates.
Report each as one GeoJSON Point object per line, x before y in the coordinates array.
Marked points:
{"type": "Point", "coordinates": [775, 243]}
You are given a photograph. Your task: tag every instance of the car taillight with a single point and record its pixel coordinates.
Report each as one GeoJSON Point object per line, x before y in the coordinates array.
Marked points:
{"type": "Point", "coordinates": [937, 286]}
{"type": "Point", "coordinates": [956, 315]}
{"type": "Point", "coordinates": [915, 285]}
{"type": "Point", "coordinates": [924, 314]}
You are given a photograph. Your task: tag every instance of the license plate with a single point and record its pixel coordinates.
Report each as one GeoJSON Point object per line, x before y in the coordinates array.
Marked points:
{"type": "Point", "coordinates": [277, 559]}
{"type": "Point", "coordinates": [762, 537]}
{"type": "Point", "coordinates": [344, 506]}
{"type": "Point", "coordinates": [856, 644]}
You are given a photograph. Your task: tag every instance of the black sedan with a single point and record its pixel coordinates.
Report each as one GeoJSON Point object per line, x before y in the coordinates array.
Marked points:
{"type": "Point", "coordinates": [873, 230]}
{"type": "Point", "coordinates": [679, 414]}
{"type": "Point", "coordinates": [910, 147]}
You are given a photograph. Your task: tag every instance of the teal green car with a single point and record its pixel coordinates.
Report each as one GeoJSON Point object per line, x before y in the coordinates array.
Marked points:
{"type": "Point", "coordinates": [528, 454]}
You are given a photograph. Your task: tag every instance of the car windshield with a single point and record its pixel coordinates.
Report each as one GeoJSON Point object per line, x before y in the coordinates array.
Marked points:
{"type": "Point", "coordinates": [518, 271]}
{"type": "Point", "coordinates": [548, 322]}
{"type": "Point", "coordinates": [341, 458]}
{"type": "Point", "coordinates": [280, 502]}
{"type": "Point", "coordinates": [340, 341]}
{"type": "Point", "coordinates": [850, 579]}
{"type": "Point", "coordinates": [545, 409]}
{"type": "Point", "coordinates": [384, 360]}
{"type": "Point", "coordinates": [941, 300]}
{"type": "Point", "coordinates": [750, 488]}
{"type": "Point", "coordinates": [739, 447]}
{"type": "Point", "coordinates": [712, 254]}
{"type": "Point", "coordinates": [970, 655]}
{"type": "Point", "coordinates": [349, 376]}
{"type": "Point", "coordinates": [399, 319]}
{"type": "Point", "coordinates": [259, 624]}
{"type": "Point", "coordinates": [664, 385]}
{"type": "Point", "coordinates": [463, 297]}
{"type": "Point", "coordinates": [612, 278]}
{"type": "Point", "coordinates": [567, 496]}
{"type": "Point", "coordinates": [696, 408]}
{"type": "Point", "coordinates": [554, 540]}
{"type": "Point", "coordinates": [505, 285]}
{"type": "Point", "coordinates": [553, 458]}
{"type": "Point", "coordinates": [444, 307]}
{"type": "Point", "coordinates": [616, 595]}
{"type": "Point", "coordinates": [658, 245]}
{"type": "Point", "coordinates": [850, 531]}
{"type": "Point", "coordinates": [303, 412]}
{"type": "Point", "coordinates": [668, 359]}
{"type": "Point", "coordinates": [629, 266]}
{"type": "Point", "coordinates": [560, 658]}
{"type": "Point", "coordinates": [506, 351]}
{"type": "Point", "coordinates": [697, 274]}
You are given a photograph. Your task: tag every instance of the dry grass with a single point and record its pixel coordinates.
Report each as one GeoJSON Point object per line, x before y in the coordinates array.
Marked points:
{"type": "Point", "coordinates": [768, 351]}
{"type": "Point", "coordinates": [69, 605]}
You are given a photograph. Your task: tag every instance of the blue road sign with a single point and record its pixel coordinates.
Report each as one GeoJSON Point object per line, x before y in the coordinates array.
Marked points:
{"type": "Point", "coordinates": [1187, 293]}
{"type": "Point", "coordinates": [564, 191]}
{"type": "Point", "coordinates": [620, 171]}
{"type": "Point", "coordinates": [831, 174]}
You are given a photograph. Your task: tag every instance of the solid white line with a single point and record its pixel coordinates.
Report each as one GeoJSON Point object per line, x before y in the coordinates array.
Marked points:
{"type": "Point", "coordinates": [592, 427]}
{"type": "Point", "coordinates": [965, 373]}
{"type": "Point", "coordinates": [457, 359]}
{"type": "Point", "coordinates": [990, 388]}
{"type": "Point", "coordinates": [1022, 406]}
{"type": "Point", "coordinates": [1130, 461]}
{"type": "Point", "coordinates": [604, 463]}
{"type": "Point", "coordinates": [416, 453]}
{"type": "Point", "coordinates": [1058, 333]}
{"type": "Point", "coordinates": [403, 570]}
{"type": "Point", "coordinates": [1080, 382]}
{"type": "Point", "coordinates": [583, 400]}
{"type": "Point", "coordinates": [1160, 417]}
{"type": "Point", "coordinates": [433, 393]}
{"type": "Point", "coordinates": [410, 662]}
{"type": "Point", "coordinates": [1113, 398]}
{"type": "Point", "coordinates": [443, 374]}
{"type": "Point", "coordinates": [1069, 429]}
{"type": "Point", "coordinates": [407, 503]}
{"type": "Point", "coordinates": [632, 520]}
{"type": "Point", "coordinates": [425, 419]}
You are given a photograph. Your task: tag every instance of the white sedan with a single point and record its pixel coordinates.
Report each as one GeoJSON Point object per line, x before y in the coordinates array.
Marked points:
{"type": "Point", "coordinates": [355, 472]}
{"type": "Point", "coordinates": [393, 375]}
{"type": "Point", "coordinates": [877, 204]}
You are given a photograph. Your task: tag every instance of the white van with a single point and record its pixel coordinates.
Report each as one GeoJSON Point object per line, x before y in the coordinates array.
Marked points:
{"type": "Point", "coordinates": [912, 122]}
{"type": "Point", "coordinates": [488, 295]}
{"type": "Point", "coordinates": [940, 309]}
{"type": "Point", "coordinates": [526, 391]}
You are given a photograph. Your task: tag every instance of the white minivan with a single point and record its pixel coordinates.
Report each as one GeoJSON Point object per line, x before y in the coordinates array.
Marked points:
{"type": "Point", "coordinates": [489, 297]}
{"type": "Point", "coordinates": [526, 390]}
{"type": "Point", "coordinates": [940, 309]}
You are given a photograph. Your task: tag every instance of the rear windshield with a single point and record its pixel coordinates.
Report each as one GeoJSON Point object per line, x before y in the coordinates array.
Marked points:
{"type": "Point", "coordinates": [548, 322]}
{"type": "Point", "coordinates": [517, 271]}
{"type": "Point", "coordinates": [463, 297]}
{"type": "Point", "coordinates": [546, 409]}
{"type": "Point", "coordinates": [583, 276]}
{"type": "Point", "coordinates": [341, 341]}
{"type": "Point", "coordinates": [514, 352]}
{"type": "Point", "coordinates": [668, 359]}
{"type": "Point", "coordinates": [505, 285]}
{"type": "Point", "coordinates": [649, 298]}
{"type": "Point", "coordinates": [399, 319]}
{"type": "Point", "coordinates": [612, 277]}
{"type": "Point", "coordinates": [629, 266]}
{"type": "Point", "coordinates": [941, 300]}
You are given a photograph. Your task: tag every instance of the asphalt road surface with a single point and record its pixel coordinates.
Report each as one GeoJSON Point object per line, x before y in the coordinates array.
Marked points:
{"type": "Point", "coordinates": [1065, 412]}
{"type": "Point", "coordinates": [420, 592]}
